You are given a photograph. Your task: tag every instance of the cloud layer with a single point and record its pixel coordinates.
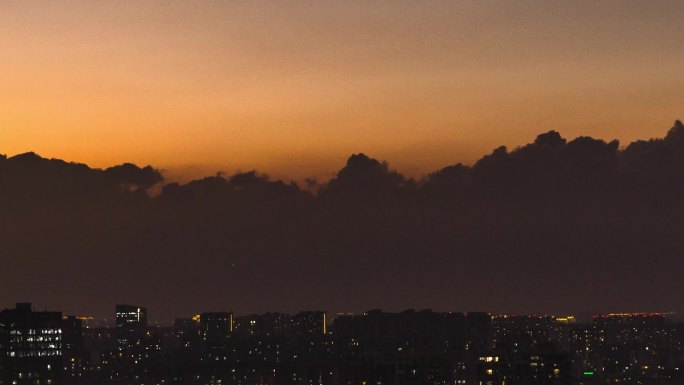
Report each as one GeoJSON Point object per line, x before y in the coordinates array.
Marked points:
{"type": "Point", "coordinates": [555, 225]}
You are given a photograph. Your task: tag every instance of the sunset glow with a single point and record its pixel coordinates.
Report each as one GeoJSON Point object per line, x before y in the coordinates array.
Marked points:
{"type": "Point", "coordinates": [293, 88]}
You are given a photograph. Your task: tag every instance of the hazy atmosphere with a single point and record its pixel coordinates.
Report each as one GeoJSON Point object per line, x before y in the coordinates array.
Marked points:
{"type": "Point", "coordinates": [463, 192]}
{"type": "Point", "coordinates": [598, 228]}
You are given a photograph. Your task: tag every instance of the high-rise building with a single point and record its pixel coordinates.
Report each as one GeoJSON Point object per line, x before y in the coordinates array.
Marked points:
{"type": "Point", "coordinates": [268, 324]}
{"type": "Point", "coordinates": [30, 346]}
{"type": "Point", "coordinates": [131, 325]}
{"type": "Point", "coordinates": [216, 327]}
{"type": "Point", "coordinates": [479, 330]}
{"type": "Point", "coordinates": [76, 358]}
{"type": "Point", "coordinates": [309, 323]}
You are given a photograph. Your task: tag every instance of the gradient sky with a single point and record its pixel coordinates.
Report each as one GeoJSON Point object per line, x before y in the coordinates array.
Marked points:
{"type": "Point", "coordinates": [292, 88]}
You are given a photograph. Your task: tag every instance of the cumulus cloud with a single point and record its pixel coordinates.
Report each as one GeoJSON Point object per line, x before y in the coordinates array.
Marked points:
{"type": "Point", "coordinates": [554, 225]}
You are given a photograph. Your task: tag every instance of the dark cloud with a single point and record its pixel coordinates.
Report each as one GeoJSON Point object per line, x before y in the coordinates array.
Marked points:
{"type": "Point", "coordinates": [362, 174]}
{"type": "Point", "coordinates": [555, 225]}
{"type": "Point", "coordinates": [132, 175]}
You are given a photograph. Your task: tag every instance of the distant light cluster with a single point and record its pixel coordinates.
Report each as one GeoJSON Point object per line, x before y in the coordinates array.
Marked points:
{"type": "Point", "coordinates": [376, 347]}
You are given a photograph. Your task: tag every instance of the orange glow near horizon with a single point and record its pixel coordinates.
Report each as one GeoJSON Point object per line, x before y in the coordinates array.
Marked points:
{"type": "Point", "coordinates": [292, 88]}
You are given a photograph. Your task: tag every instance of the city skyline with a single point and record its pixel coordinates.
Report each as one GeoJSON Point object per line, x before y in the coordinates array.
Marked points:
{"type": "Point", "coordinates": [121, 311]}
{"type": "Point", "coordinates": [311, 347]}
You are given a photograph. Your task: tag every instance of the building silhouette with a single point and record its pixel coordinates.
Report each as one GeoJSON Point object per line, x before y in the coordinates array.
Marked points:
{"type": "Point", "coordinates": [30, 346]}
{"type": "Point", "coordinates": [131, 325]}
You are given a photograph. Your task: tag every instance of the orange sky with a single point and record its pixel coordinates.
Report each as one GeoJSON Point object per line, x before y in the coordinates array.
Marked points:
{"type": "Point", "coordinates": [293, 87]}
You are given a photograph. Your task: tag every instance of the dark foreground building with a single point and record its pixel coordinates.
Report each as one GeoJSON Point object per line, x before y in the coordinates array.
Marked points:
{"type": "Point", "coordinates": [31, 346]}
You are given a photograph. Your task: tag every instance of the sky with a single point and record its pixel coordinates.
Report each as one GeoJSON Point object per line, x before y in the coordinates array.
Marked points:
{"type": "Point", "coordinates": [291, 88]}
